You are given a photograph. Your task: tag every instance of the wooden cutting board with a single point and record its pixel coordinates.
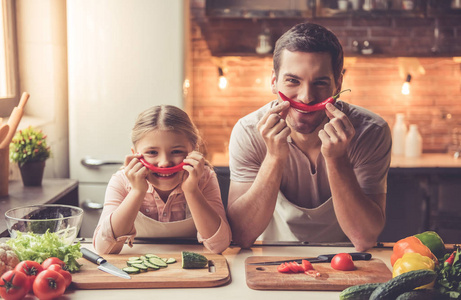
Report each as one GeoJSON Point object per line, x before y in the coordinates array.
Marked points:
{"type": "Point", "coordinates": [260, 277]}
{"type": "Point", "coordinates": [174, 276]}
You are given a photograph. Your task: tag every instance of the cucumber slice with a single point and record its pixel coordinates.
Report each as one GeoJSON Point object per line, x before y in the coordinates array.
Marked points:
{"type": "Point", "coordinates": [131, 270]}
{"type": "Point", "coordinates": [130, 263]}
{"type": "Point", "coordinates": [157, 261]}
{"type": "Point", "coordinates": [150, 265]}
{"type": "Point", "coordinates": [143, 257]}
{"type": "Point", "coordinates": [151, 255]}
{"type": "Point", "coordinates": [134, 258]}
{"type": "Point", "coordinates": [170, 260]}
{"type": "Point", "coordinates": [141, 267]}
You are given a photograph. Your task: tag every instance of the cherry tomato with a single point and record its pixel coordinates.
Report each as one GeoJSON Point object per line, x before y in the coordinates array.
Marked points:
{"type": "Point", "coordinates": [14, 285]}
{"type": "Point", "coordinates": [284, 268]}
{"type": "Point", "coordinates": [51, 261]}
{"type": "Point", "coordinates": [342, 262]}
{"type": "Point", "coordinates": [49, 284]}
{"type": "Point", "coordinates": [307, 265]}
{"type": "Point", "coordinates": [66, 274]}
{"type": "Point", "coordinates": [31, 269]}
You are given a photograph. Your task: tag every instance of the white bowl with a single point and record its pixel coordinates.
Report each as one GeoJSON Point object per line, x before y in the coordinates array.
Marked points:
{"type": "Point", "coordinates": [65, 220]}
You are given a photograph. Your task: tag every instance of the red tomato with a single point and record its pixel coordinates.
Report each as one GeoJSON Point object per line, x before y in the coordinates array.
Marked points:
{"type": "Point", "coordinates": [51, 261]}
{"type": "Point", "coordinates": [49, 284]}
{"type": "Point", "coordinates": [284, 268]}
{"type": "Point", "coordinates": [307, 265]}
{"type": "Point", "coordinates": [342, 262]}
{"type": "Point", "coordinates": [66, 274]}
{"type": "Point", "coordinates": [30, 269]}
{"type": "Point", "coordinates": [295, 267]}
{"type": "Point", "coordinates": [14, 285]}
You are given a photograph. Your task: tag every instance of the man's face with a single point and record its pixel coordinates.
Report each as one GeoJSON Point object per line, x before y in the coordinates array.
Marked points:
{"type": "Point", "coordinates": [307, 78]}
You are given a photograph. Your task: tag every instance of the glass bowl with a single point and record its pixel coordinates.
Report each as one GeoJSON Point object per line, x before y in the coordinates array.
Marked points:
{"type": "Point", "coordinates": [65, 220]}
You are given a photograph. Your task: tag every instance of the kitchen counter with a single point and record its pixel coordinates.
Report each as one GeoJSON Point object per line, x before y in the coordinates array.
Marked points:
{"type": "Point", "coordinates": [52, 191]}
{"type": "Point", "coordinates": [236, 288]}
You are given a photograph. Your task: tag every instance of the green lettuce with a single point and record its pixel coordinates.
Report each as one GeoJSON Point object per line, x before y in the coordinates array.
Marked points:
{"type": "Point", "coordinates": [449, 277]}
{"type": "Point", "coordinates": [37, 247]}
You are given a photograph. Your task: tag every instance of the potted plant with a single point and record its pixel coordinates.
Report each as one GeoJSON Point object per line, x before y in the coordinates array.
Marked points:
{"type": "Point", "coordinates": [29, 150]}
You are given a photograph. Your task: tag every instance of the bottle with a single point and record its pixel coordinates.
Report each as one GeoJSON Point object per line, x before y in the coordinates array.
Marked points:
{"type": "Point", "coordinates": [399, 133]}
{"type": "Point", "coordinates": [413, 142]}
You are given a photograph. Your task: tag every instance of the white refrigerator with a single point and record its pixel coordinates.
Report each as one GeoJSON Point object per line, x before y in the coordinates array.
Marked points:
{"type": "Point", "coordinates": [123, 57]}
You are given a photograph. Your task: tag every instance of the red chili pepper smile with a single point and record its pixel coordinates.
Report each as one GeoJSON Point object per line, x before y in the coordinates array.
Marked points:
{"type": "Point", "coordinates": [174, 169]}
{"type": "Point", "coordinates": [311, 107]}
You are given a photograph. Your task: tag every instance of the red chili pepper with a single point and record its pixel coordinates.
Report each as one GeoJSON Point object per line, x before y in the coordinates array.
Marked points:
{"type": "Point", "coordinates": [450, 259]}
{"type": "Point", "coordinates": [174, 169]}
{"type": "Point", "coordinates": [311, 107]}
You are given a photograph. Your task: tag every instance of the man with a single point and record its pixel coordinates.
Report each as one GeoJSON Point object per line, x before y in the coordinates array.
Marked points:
{"type": "Point", "coordinates": [317, 176]}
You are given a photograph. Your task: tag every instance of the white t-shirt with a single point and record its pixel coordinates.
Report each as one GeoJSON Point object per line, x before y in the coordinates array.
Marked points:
{"type": "Point", "coordinates": [369, 153]}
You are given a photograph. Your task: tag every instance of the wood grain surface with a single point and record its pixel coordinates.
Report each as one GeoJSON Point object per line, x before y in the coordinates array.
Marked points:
{"type": "Point", "coordinates": [268, 278]}
{"type": "Point", "coordinates": [173, 276]}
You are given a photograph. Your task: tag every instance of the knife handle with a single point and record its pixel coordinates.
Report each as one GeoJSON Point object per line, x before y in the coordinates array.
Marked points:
{"type": "Point", "coordinates": [91, 256]}
{"type": "Point", "coordinates": [355, 256]}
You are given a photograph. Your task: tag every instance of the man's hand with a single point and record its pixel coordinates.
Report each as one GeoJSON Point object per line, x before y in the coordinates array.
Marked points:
{"type": "Point", "coordinates": [337, 134]}
{"type": "Point", "coordinates": [275, 131]}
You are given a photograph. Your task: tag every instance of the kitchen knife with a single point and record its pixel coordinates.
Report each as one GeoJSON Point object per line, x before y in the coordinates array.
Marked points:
{"type": "Point", "coordinates": [319, 259]}
{"type": "Point", "coordinates": [103, 264]}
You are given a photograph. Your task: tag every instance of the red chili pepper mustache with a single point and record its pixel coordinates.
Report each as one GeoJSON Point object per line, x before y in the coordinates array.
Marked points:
{"type": "Point", "coordinates": [174, 169]}
{"type": "Point", "coordinates": [311, 107]}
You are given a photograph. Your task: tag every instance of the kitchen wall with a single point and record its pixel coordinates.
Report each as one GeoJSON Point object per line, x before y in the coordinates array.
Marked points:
{"type": "Point", "coordinates": [42, 57]}
{"type": "Point", "coordinates": [434, 103]}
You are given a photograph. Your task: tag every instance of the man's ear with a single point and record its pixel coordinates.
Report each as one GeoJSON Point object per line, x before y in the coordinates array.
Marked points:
{"type": "Point", "coordinates": [274, 83]}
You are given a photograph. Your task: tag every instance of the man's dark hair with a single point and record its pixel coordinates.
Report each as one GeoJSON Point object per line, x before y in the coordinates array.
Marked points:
{"type": "Point", "coordinates": [309, 37]}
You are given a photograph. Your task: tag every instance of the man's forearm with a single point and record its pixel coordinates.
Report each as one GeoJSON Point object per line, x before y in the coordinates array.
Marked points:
{"type": "Point", "coordinates": [360, 217]}
{"type": "Point", "coordinates": [250, 212]}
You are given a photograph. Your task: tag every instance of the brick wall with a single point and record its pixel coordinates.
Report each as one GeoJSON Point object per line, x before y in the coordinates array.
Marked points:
{"type": "Point", "coordinates": [434, 103]}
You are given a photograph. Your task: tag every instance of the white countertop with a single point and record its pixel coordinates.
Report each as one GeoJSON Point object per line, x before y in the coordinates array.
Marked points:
{"type": "Point", "coordinates": [237, 288]}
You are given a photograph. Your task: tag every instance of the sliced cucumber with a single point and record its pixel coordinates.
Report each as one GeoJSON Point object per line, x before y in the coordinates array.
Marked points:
{"type": "Point", "coordinates": [150, 265]}
{"type": "Point", "coordinates": [134, 258]}
{"type": "Point", "coordinates": [130, 263]}
{"type": "Point", "coordinates": [141, 267]}
{"type": "Point", "coordinates": [158, 261]}
{"type": "Point", "coordinates": [131, 270]}
{"type": "Point", "coordinates": [151, 255]}
{"type": "Point", "coordinates": [170, 260]}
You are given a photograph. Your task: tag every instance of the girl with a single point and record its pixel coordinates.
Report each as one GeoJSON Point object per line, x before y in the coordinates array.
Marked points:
{"type": "Point", "coordinates": [146, 199]}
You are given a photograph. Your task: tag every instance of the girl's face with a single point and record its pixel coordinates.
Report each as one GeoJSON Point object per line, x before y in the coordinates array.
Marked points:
{"type": "Point", "coordinates": [163, 149]}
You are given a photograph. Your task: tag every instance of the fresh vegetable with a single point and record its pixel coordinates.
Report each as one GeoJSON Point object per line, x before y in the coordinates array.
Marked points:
{"type": "Point", "coordinates": [53, 261]}
{"type": "Point", "coordinates": [146, 263]}
{"type": "Point", "coordinates": [131, 270]}
{"type": "Point", "coordinates": [413, 261]}
{"type": "Point", "coordinates": [31, 269]}
{"type": "Point", "coordinates": [450, 259]}
{"type": "Point", "coordinates": [433, 241]}
{"type": "Point", "coordinates": [13, 285]}
{"type": "Point", "coordinates": [311, 107]}
{"type": "Point", "coordinates": [342, 262]}
{"type": "Point", "coordinates": [449, 277]}
{"type": "Point", "coordinates": [192, 260]}
{"type": "Point", "coordinates": [403, 283]}
{"type": "Point", "coordinates": [174, 169]}
{"type": "Point", "coordinates": [66, 274]}
{"type": "Point", "coordinates": [410, 244]}
{"type": "Point", "coordinates": [294, 267]}
{"type": "Point", "coordinates": [49, 284]}
{"type": "Point", "coordinates": [8, 258]}
{"type": "Point", "coordinates": [307, 265]}
{"type": "Point", "coordinates": [358, 292]}
{"type": "Point", "coordinates": [284, 268]}
{"type": "Point", "coordinates": [40, 247]}
{"type": "Point", "coordinates": [425, 294]}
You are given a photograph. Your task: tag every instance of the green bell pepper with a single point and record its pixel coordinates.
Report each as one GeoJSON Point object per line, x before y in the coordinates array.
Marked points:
{"type": "Point", "coordinates": [432, 241]}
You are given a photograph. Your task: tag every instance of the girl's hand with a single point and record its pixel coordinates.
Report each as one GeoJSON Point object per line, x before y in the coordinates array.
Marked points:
{"type": "Point", "coordinates": [194, 171]}
{"type": "Point", "coordinates": [136, 172]}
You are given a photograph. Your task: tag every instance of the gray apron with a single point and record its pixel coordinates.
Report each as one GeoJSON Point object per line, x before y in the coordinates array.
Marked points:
{"type": "Point", "coordinates": [294, 223]}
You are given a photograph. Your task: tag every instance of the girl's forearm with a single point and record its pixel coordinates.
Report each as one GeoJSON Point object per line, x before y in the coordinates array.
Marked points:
{"type": "Point", "coordinates": [123, 217]}
{"type": "Point", "coordinates": [206, 219]}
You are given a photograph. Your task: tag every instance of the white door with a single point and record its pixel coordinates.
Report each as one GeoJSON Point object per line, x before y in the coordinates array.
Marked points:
{"type": "Point", "coordinates": [123, 57]}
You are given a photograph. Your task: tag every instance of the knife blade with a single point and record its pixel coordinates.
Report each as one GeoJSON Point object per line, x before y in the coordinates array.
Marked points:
{"type": "Point", "coordinates": [103, 265]}
{"type": "Point", "coordinates": [319, 259]}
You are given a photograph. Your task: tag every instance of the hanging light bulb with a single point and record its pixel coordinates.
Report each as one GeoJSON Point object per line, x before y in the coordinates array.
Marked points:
{"type": "Point", "coordinates": [222, 83]}
{"type": "Point", "coordinates": [406, 85]}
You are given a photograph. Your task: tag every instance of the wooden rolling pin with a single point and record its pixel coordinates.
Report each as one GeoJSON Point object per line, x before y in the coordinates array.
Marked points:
{"type": "Point", "coordinates": [14, 120]}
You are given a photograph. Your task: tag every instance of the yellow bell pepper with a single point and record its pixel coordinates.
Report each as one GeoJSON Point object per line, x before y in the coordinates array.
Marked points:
{"type": "Point", "coordinates": [412, 261]}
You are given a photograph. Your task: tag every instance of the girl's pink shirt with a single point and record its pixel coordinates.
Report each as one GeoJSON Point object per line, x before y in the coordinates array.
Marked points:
{"type": "Point", "coordinates": [153, 206]}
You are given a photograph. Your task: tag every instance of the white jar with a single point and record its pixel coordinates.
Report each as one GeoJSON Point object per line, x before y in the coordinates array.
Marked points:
{"type": "Point", "coordinates": [413, 142]}
{"type": "Point", "coordinates": [399, 134]}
